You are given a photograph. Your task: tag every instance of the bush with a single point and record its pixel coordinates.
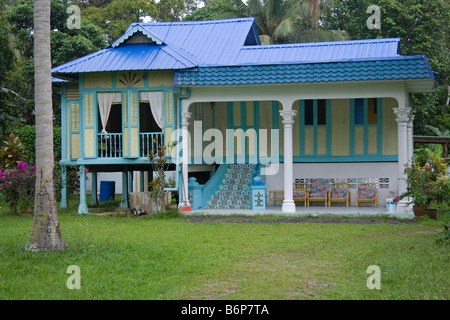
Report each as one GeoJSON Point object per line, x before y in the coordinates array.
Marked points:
{"type": "Point", "coordinates": [27, 135]}
{"type": "Point", "coordinates": [17, 185]}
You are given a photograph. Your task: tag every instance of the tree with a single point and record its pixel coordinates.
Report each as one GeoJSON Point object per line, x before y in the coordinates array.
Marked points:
{"type": "Point", "coordinates": [45, 233]}
{"type": "Point", "coordinates": [66, 45]}
{"type": "Point", "coordinates": [115, 17]}
{"type": "Point", "coordinates": [278, 21]}
{"type": "Point", "coordinates": [423, 26]}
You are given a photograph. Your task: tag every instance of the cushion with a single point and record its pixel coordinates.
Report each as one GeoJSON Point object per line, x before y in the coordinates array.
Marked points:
{"type": "Point", "coordinates": [367, 193]}
{"type": "Point", "coordinates": [338, 193]}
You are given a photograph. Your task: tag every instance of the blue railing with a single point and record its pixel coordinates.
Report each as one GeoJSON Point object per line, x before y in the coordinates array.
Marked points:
{"type": "Point", "coordinates": [110, 145]}
{"type": "Point", "coordinates": [150, 142]}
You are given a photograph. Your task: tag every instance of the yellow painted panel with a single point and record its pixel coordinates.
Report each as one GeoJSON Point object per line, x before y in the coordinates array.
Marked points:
{"type": "Point", "coordinates": [237, 114]}
{"type": "Point", "coordinates": [89, 142]}
{"type": "Point", "coordinates": [359, 140]}
{"type": "Point", "coordinates": [309, 141]}
{"type": "Point", "coordinates": [134, 148]}
{"type": "Point", "coordinates": [169, 108]}
{"type": "Point", "coordinates": [340, 127]}
{"type": "Point", "coordinates": [75, 144]}
{"type": "Point", "coordinates": [75, 116]}
{"type": "Point", "coordinates": [125, 109]}
{"type": "Point", "coordinates": [133, 108]}
{"type": "Point", "coordinates": [372, 140]}
{"type": "Point", "coordinates": [127, 79]}
{"type": "Point", "coordinates": [168, 139]}
{"type": "Point", "coordinates": [221, 121]}
{"type": "Point", "coordinates": [265, 115]}
{"type": "Point", "coordinates": [89, 109]}
{"type": "Point", "coordinates": [68, 132]}
{"type": "Point", "coordinates": [72, 91]}
{"type": "Point", "coordinates": [125, 142]}
{"type": "Point", "coordinates": [160, 78]}
{"type": "Point", "coordinates": [321, 141]}
{"type": "Point", "coordinates": [98, 79]}
{"type": "Point", "coordinates": [250, 113]}
{"type": "Point", "coordinates": [390, 142]}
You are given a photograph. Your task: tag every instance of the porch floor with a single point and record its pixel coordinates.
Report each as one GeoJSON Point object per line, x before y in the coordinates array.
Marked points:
{"type": "Point", "coordinates": [307, 211]}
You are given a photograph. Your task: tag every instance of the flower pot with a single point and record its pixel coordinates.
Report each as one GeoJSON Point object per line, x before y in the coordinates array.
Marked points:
{"type": "Point", "coordinates": [26, 211]}
{"type": "Point", "coordinates": [431, 213]}
{"type": "Point", "coordinates": [419, 211]}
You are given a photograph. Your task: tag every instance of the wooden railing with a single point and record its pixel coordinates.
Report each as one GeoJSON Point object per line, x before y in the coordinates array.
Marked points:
{"type": "Point", "coordinates": [150, 142]}
{"type": "Point", "coordinates": [110, 145]}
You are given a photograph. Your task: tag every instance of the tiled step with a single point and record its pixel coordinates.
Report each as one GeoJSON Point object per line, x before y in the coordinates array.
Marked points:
{"type": "Point", "coordinates": [234, 192]}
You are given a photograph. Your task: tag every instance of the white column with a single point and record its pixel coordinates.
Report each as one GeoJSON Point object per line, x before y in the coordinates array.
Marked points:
{"type": "Point", "coordinates": [402, 123]}
{"type": "Point", "coordinates": [410, 134]}
{"type": "Point", "coordinates": [185, 116]}
{"type": "Point", "coordinates": [288, 121]}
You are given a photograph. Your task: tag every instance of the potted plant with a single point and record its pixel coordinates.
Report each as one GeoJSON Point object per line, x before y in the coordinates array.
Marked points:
{"type": "Point", "coordinates": [427, 181]}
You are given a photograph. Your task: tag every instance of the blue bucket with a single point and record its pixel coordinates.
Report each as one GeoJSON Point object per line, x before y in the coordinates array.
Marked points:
{"type": "Point", "coordinates": [107, 190]}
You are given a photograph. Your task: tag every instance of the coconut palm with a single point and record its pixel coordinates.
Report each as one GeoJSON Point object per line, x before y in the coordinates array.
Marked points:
{"type": "Point", "coordinates": [281, 21]}
{"type": "Point", "coordinates": [45, 232]}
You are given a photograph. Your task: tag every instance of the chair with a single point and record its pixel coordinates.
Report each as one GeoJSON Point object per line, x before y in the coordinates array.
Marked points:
{"type": "Point", "coordinates": [367, 193]}
{"type": "Point", "coordinates": [339, 192]}
{"type": "Point", "coordinates": [318, 190]}
{"type": "Point", "coordinates": [276, 195]}
{"type": "Point", "coordinates": [301, 192]}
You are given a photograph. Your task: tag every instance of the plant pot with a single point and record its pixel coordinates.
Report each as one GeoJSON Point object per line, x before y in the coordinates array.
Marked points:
{"type": "Point", "coordinates": [419, 211]}
{"type": "Point", "coordinates": [172, 207]}
{"type": "Point", "coordinates": [27, 211]}
{"type": "Point", "coordinates": [431, 213]}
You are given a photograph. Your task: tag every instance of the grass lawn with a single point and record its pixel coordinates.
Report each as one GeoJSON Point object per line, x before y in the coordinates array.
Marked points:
{"type": "Point", "coordinates": [175, 258]}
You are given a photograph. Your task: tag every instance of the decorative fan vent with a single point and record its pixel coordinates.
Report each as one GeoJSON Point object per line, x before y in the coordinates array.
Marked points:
{"type": "Point", "coordinates": [130, 79]}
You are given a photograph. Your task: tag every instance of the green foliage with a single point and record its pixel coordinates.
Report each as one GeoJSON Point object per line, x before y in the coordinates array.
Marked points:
{"type": "Point", "coordinates": [66, 45]}
{"type": "Point", "coordinates": [427, 179]}
{"type": "Point", "coordinates": [17, 185]}
{"type": "Point", "coordinates": [120, 14]}
{"type": "Point", "coordinates": [11, 152]}
{"type": "Point", "coordinates": [27, 135]}
{"type": "Point", "coordinates": [423, 26]}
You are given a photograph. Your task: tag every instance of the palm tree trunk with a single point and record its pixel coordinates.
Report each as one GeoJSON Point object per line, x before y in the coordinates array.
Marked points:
{"type": "Point", "coordinates": [45, 233]}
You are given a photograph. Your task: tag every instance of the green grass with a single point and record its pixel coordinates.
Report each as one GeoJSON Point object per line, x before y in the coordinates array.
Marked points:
{"type": "Point", "coordinates": [168, 257]}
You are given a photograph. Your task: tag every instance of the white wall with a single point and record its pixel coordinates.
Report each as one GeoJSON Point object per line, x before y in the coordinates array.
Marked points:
{"type": "Point", "coordinates": [365, 170]}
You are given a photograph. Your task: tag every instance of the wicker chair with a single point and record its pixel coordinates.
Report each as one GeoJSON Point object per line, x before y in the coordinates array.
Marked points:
{"type": "Point", "coordinates": [339, 192]}
{"type": "Point", "coordinates": [301, 192]}
{"type": "Point", "coordinates": [367, 193]}
{"type": "Point", "coordinates": [318, 190]}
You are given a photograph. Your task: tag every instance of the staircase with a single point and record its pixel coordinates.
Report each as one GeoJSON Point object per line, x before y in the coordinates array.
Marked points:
{"type": "Point", "coordinates": [234, 190]}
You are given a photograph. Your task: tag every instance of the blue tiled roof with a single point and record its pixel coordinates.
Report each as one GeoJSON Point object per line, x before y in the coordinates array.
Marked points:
{"type": "Point", "coordinates": [318, 52]}
{"type": "Point", "coordinates": [128, 57]}
{"type": "Point", "coordinates": [402, 68]}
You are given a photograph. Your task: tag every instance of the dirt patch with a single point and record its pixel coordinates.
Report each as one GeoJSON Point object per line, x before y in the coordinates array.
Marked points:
{"type": "Point", "coordinates": [263, 220]}
{"type": "Point", "coordinates": [213, 291]}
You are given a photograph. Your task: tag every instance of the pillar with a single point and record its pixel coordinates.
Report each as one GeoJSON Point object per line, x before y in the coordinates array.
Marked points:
{"type": "Point", "coordinates": [288, 121]}
{"type": "Point", "coordinates": [125, 189]}
{"type": "Point", "coordinates": [94, 198]}
{"type": "Point", "coordinates": [402, 119]}
{"type": "Point", "coordinates": [63, 204]}
{"type": "Point", "coordinates": [410, 134]}
{"type": "Point", "coordinates": [82, 208]}
{"type": "Point", "coordinates": [185, 116]}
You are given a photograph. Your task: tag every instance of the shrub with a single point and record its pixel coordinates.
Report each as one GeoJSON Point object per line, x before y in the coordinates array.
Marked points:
{"type": "Point", "coordinates": [17, 185]}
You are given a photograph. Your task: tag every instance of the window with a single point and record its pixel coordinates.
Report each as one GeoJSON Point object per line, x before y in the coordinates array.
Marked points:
{"type": "Point", "coordinates": [360, 112]}
{"type": "Point", "coordinates": [321, 109]}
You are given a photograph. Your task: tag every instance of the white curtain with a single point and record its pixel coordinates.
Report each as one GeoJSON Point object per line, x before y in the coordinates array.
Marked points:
{"type": "Point", "coordinates": [105, 100]}
{"type": "Point", "coordinates": [156, 100]}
